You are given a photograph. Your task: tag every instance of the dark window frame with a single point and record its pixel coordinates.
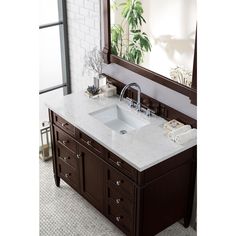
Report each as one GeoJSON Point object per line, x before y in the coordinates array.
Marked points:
{"type": "Point", "coordinates": [64, 44]}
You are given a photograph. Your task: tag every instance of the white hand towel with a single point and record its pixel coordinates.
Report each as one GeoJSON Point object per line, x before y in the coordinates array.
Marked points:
{"type": "Point", "coordinates": [172, 134]}
{"type": "Point", "coordinates": [185, 137]}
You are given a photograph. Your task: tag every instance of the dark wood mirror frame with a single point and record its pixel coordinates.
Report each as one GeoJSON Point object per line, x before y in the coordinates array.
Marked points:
{"type": "Point", "coordinates": [110, 58]}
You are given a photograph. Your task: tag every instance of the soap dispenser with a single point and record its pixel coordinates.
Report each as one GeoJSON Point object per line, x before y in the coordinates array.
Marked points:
{"type": "Point", "coordinates": [109, 90]}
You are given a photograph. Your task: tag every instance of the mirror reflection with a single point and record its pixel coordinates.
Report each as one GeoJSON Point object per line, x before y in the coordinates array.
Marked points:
{"type": "Point", "coordinates": [158, 35]}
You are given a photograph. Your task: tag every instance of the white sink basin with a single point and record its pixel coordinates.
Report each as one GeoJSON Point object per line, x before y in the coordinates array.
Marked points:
{"type": "Point", "coordinates": [119, 119]}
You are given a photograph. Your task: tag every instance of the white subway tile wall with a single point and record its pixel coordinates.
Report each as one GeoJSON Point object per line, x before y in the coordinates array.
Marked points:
{"type": "Point", "coordinates": [84, 35]}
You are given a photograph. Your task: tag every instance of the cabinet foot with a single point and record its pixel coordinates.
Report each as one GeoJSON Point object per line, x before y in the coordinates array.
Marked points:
{"type": "Point", "coordinates": [186, 222]}
{"type": "Point", "coordinates": [57, 180]}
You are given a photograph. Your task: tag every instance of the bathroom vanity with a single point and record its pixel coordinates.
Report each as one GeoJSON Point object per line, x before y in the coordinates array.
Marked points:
{"type": "Point", "coordinates": [140, 180]}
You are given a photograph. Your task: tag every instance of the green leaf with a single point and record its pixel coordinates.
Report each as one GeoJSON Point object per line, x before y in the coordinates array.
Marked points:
{"type": "Point", "coordinates": [138, 44]}
{"type": "Point", "coordinates": [135, 31]}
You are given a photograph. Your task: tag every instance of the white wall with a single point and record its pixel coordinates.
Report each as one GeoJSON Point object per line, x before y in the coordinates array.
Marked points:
{"type": "Point", "coordinates": [84, 34]}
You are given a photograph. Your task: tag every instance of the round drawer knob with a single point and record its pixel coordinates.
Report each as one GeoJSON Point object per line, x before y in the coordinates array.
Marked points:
{"type": "Point", "coordinates": [89, 142]}
{"type": "Point", "coordinates": [66, 158]}
{"type": "Point", "coordinates": [64, 142]}
{"type": "Point", "coordinates": [118, 163]}
{"type": "Point", "coordinates": [118, 201]}
{"type": "Point", "coordinates": [67, 175]}
{"type": "Point", "coordinates": [118, 182]}
{"type": "Point", "coordinates": [118, 218]}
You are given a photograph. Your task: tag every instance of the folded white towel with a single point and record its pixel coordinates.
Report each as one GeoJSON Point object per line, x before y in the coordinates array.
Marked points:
{"type": "Point", "coordinates": [172, 134]}
{"type": "Point", "coordinates": [186, 136]}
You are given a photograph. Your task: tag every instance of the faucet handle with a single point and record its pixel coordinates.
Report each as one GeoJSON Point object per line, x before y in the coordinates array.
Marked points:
{"type": "Point", "coordinates": [149, 112]}
{"type": "Point", "coordinates": [130, 102]}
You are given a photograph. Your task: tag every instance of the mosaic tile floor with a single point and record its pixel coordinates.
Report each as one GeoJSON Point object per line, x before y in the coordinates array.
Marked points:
{"type": "Point", "coordinates": [63, 212]}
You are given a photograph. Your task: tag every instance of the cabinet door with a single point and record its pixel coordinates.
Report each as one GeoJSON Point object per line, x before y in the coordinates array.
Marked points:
{"type": "Point", "coordinates": [92, 177]}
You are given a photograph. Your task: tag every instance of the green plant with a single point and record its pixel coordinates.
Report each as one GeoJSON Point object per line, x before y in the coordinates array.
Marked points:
{"type": "Point", "coordinates": [130, 46]}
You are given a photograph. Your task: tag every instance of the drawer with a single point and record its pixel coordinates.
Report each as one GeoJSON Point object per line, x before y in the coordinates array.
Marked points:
{"type": "Point", "coordinates": [121, 219]}
{"type": "Point", "coordinates": [122, 166]}
{"type": "Point", "coordinates": [67, 156]}
{"type": "Point", "coordinates": [68, 174]}
{"type": "Point", "coordinates": [63, 124]}
{"type": "Point", "coordinates": [120, 183]}
{"type": "Point", "coordinates": [119, 199]}
{"type": "Point", "coordinates": [65, 140]}
{"type": "Point", "coordinates": [92, 145]}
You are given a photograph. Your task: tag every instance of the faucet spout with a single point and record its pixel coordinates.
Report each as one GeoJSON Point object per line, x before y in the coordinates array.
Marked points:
{"type": "Point", "coordinates": [138, 97]}
{"type": "Point", "coordinates": [123, 91]}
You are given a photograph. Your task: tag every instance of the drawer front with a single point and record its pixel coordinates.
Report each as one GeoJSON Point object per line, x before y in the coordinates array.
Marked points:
{"type": "Point", "coordinates": [67, 156]}
{"type": "Point", "coordinates": [122, 166]}
{"type": "Point", "coordinates": [119, 199]}
{"type": "Point", "coordinates": [92, 145]}
{"type": "Point", "coordinates": [121, 219]}
{"type": "Point", "coordinates": [63, 124]}
{"type": "Point", "coordinates": [68, 174]}
{"type": "Point", "coordinates": [120, 183]}
{"type": "Point", "coordinates": [65, 140]}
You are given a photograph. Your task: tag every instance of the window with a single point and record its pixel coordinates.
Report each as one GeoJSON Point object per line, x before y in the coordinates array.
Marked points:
{"type": "Point", "coordinates": [54, 52]}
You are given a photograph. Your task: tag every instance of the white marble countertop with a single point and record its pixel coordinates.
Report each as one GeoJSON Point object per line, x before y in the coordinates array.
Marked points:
{"type": "Point", "coordinates": [141, 148]}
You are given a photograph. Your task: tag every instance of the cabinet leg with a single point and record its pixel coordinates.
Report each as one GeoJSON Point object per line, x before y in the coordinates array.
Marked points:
{"type": "Point", "coordinates": [57, 180]}
{"type": "Point", "coordinates": [186, 222]}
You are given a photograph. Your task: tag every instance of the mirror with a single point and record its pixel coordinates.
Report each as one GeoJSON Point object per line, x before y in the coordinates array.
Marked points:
{"type": "Point", "coordinates": [155, 38]}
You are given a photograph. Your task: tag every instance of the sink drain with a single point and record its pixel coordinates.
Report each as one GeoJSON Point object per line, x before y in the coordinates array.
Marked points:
{"type": "Point", "coordinates": [123, 131]}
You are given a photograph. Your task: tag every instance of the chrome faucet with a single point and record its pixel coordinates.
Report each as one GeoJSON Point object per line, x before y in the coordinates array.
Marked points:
{"type": "Point", "coordinates": [138, 106]}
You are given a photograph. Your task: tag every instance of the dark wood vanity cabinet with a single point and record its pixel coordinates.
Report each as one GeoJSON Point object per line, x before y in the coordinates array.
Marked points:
{"type": "Point", "coordinates": [139, 203]}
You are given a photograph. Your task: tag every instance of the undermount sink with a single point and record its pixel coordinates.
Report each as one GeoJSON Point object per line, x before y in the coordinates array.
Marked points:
{"type": "Point", "coordinates": [119, 119]}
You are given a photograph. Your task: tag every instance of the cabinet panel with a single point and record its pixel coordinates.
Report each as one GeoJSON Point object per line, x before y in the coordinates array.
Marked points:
{"type": "Point", "coordinates": [92, 176]}
{"type": "Point", "coordinates": [165, 200]}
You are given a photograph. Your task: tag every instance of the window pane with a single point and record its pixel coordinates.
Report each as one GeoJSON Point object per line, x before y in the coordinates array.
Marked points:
{"type": "Point", "coordinates": [50, 71]}
{"type": "Point", "coordinates": [48, 11]}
